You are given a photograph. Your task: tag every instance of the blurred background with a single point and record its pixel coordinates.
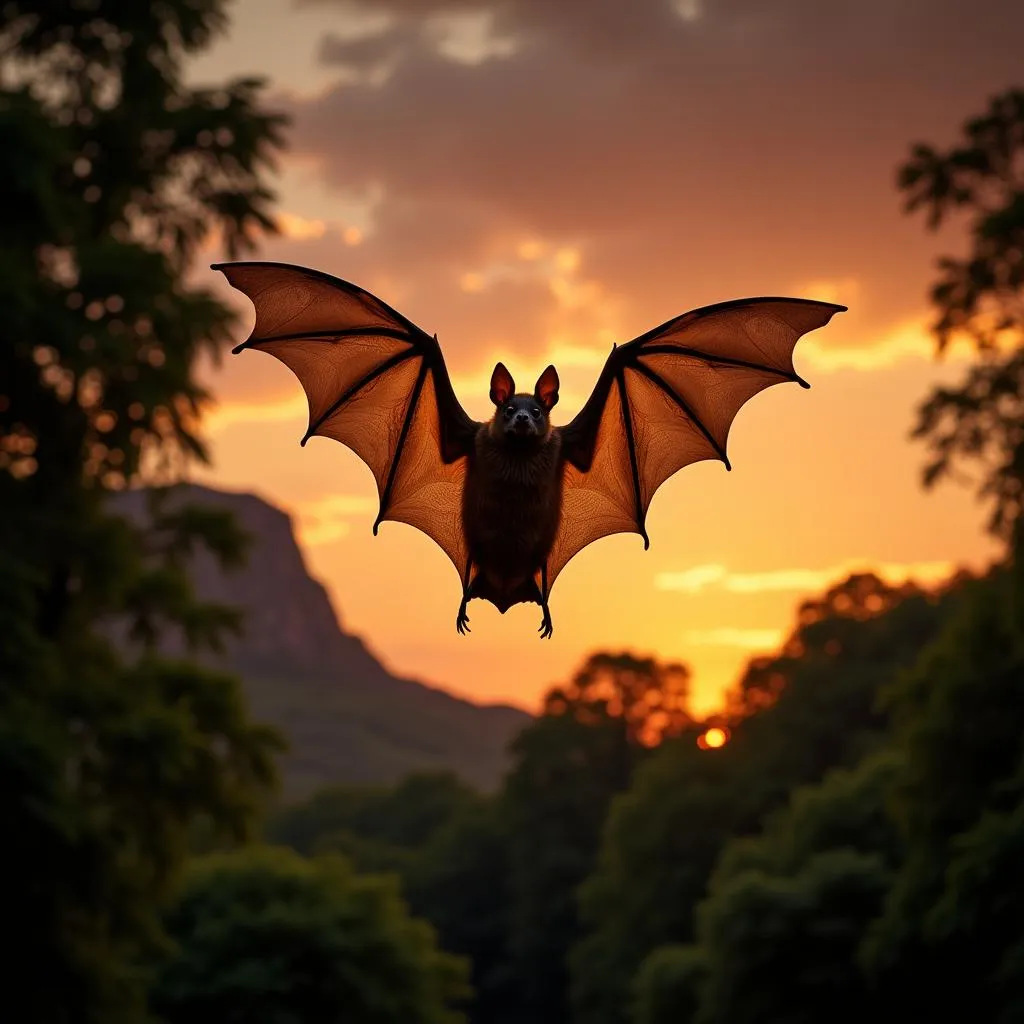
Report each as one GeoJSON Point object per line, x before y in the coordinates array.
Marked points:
{"type": "Point", "coordinates": [770, 770]}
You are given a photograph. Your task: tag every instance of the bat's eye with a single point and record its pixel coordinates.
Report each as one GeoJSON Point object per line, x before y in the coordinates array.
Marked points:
{"type": "Point", "coordinates": [509, 412]}
{"type": "Point", "coordinates": [535, 411]}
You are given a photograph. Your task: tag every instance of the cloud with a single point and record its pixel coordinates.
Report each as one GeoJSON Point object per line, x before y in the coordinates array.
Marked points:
{"type": "Point", "coordinates": [330, 518]}
{"type": "Point", "coordinates": [908, 339]}
{"type": "Point", "coordinates": [714, 575]}
{"type": "Point", "coordinates": [692, 581]}
{"type": "Point", "coordinates": [291, 225]}
{"type": "Point", "coordinates": [229, 414]}
{"type": "Point", "coordinates": [686, 153]}
{"type": "Point", "coordinates": [748, 639]}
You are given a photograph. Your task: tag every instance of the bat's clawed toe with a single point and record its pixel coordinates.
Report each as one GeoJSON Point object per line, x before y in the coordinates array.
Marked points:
{"type": "Point", "coordinates": [546, 628]}
{"type": "Point", "coordinates": [462, 620]}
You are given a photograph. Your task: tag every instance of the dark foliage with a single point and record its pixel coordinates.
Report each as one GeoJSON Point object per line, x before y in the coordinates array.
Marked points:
{"type": "Point", "coordinates": [979, 425]}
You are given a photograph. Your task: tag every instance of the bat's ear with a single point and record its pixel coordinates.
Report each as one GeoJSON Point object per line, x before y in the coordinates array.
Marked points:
{"type": "Point", "coordinates": [503, 387]}
{"type": "Point", "coordinates": [546, 391]}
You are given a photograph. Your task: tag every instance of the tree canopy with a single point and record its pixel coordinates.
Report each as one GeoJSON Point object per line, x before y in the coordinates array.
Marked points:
{"type": "Point", "coordinates": [979, 425]}
{"type": "Point", "coordinates": [115, 172]}
{"type": "Point", "coordinates": [264, 935]}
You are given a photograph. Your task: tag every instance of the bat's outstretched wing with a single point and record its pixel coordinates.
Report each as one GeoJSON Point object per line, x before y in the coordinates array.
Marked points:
{"type": "Point", "coordinates": [666, 399]}
{"type": "Point", "coordinates": [375, 382]}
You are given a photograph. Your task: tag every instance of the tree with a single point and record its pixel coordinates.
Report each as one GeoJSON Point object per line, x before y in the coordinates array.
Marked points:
{"type": "Point", "coordinates": [950, 938]}
{"type": "Point", "coordinates": [459, 882]}
{"type": "Point", "coordinates": [114, 174]}
{"type": "Point", "coordinates": [376, 827]}
{"type": "Point", "coordinates": [566, 768]}
{"type": "Point", "coordinates": [448, 847]}
{"type": "Point", "coordinates": [651, 698]}
{"type": "Point", "coordinates": [778, 933]}
{"type": "Point", "coordinates": [264, 936]}
{"type": "Point", "coordinates": [808, 709]}
{"type": "Point", "coordinates": [982, 297]}
{"type": "Point", "coordinates": [556, 796]}
{"type": "Point", "coordinates": [658, 847]}
{"type": "Point", "coordinates": [668, 985]}
{"type": "Point", "coordinates": [785, 948]}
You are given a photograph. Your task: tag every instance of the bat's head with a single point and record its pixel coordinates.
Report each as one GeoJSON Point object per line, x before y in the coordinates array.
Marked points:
{"type": "Point", "coordinates": [522, 418]}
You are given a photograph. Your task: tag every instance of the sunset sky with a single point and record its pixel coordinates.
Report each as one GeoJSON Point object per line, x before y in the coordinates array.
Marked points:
{"type": "Point", "coordinates": [535, 179]}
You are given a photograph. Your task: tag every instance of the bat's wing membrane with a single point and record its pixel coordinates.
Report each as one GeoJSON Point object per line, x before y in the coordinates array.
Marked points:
{"type": "Point", "coordinates": [665, 400]}
{"type": "Point", "coordinates": [375, 382]}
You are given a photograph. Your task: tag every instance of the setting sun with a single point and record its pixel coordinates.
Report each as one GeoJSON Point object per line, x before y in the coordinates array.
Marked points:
{"type": "Point", "coordinates": [713, 738]}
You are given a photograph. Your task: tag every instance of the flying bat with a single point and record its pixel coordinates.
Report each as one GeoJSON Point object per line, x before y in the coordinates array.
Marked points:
{"type": "Point", "coordinates": [512, 500]}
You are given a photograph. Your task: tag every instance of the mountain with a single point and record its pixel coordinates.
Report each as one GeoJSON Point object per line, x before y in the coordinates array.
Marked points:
{"type": "Point", "coordinates": [347, 718]}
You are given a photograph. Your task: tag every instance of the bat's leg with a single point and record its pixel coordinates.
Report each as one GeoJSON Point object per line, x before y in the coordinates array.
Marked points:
{"type": "Point", "coordinates": [462, 622]}
{"type": "Point", "coordinates": [546, 628]}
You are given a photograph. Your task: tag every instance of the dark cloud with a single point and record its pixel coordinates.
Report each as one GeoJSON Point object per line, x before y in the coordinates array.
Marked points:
{"type": "Point", "coordinates": [748, 149]}
{"type": "Point", "coordinates": [417, 259]}
{"type": "Point", "coordinates": [361, 54]}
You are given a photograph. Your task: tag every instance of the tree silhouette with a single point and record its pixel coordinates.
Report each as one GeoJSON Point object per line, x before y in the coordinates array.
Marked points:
{"type": "Point", "coordinates": [951, 936]}
{"type": "Point", "coordinates": [650, 697]}
{"type": "Point", "coordinates": [810, 708]}
{"type": "Point", "coordinates": [567, 766]}
{"type": "Point", "coordinates": [981, 296]}
{"type": "Point", "coordinates": [263, 935]}
{"type": "Point", "coordinates": [778, 933]}
{"type": "Point", "coordinates": [115, 173]}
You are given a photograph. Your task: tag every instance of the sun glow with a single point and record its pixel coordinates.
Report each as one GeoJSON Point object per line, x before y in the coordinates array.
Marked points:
{"type": "Point", "coordinates": [713, 739]}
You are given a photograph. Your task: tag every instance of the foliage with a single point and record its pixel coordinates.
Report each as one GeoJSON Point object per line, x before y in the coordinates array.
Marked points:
{"type": "Point", "coordinates": [668, 985]}
{"type": "Point", "coordinates": [650, 697]}
{"type": "Point", "coordinates": [114, 174]}
{"type": "Point", "coordinates": [683, 883]}
{"type": "Point", "coordinates": [566, 768]}
{"type": "Point", "coordinates": [122, 173]}
{"type": "Point", "coordinates": [779, 930]}
{"type": "Point", "coordinates": [795, 716]}
{"type": "Point", "coordinates": [982, 297]}
{"type": "Point", "coordinates": [890, 890]}
{"type": "Point", "coordinates": [106, 766]}
{"type": "Point", "coordinates": [265, 936]}
{"type": "Point", "coordinates": [460, 883]}
{"type": "Point", "coordinates": [785, 948]}
{"type": "Point", "coordinates": [447, 845]}
{"type": "Point", "coordinates": [376, 827]}
{"type": "Point", "coordinates": [496, 876]}
{"type": "Point", "coordinates": [957, 899]}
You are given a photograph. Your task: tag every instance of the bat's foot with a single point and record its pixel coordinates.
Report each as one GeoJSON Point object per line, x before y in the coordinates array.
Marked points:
{"type": "Point", "coordinates": [546, 629]}
{"type": "Point", "coordinates": [462, 622]}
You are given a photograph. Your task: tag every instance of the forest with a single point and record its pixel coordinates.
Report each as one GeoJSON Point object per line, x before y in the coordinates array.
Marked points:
{"type": "Point", "coordinates": [851, 852]}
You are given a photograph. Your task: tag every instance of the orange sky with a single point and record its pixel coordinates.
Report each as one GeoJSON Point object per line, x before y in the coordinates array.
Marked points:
{"type": "Point", "coordinates": [533, 181]}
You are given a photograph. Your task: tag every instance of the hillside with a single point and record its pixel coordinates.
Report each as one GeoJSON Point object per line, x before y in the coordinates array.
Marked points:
{"type": "Point", "coordinates": [347, 718]}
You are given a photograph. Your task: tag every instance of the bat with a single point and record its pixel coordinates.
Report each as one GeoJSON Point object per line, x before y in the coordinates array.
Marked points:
{"type": "Point", "coordinates": [512, 500]}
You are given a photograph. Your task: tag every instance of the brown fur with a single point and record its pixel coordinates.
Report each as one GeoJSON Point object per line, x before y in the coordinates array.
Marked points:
{"type": "Point", "coordinates": [510, 510]}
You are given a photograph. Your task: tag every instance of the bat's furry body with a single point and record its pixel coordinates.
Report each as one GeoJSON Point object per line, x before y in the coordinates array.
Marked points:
{"type": "Point", "coordinates": [511, 507]}
{"type": "Point", "coordinates": [512, 500]}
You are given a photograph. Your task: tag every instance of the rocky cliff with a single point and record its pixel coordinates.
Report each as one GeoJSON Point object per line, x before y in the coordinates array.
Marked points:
{"type": "Point", "coordinates": [347, 718]}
